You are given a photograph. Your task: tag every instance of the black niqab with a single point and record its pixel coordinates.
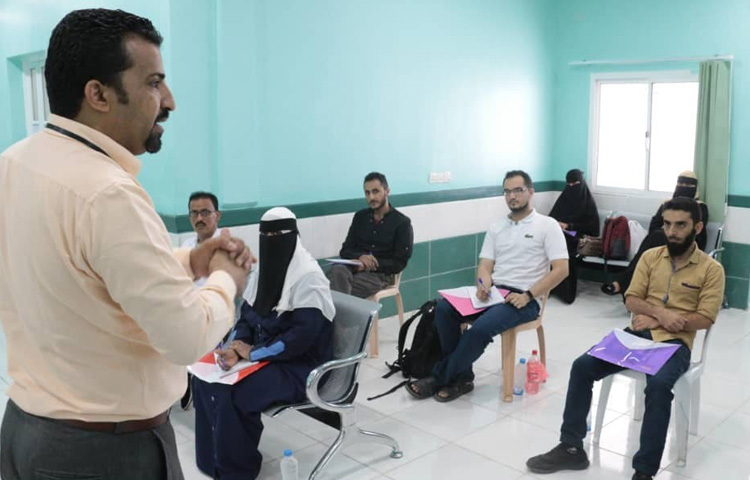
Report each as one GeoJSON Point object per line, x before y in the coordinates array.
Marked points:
{"type": "Point", "coordinates": [275, 253]}
{"type": "Point", "coordinates": [576, 206]}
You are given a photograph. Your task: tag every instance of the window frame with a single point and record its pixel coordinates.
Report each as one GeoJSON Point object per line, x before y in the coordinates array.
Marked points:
{"type": "Point", "coordinates": [650, 77]}
{"type": "Point", "coordinates": [42, 102]}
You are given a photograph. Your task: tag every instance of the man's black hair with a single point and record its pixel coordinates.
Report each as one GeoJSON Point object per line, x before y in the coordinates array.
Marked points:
{"type": "Point", "coordinates": [519, 173]}
{"type": "Point", "coordinates": [90, 45]}
{"type": "Point", "coordinates": [686, 205]}
{"type": "Point", "coordinates": [376, 176]}
{"type": "Point", "coordinates": [200, 195]}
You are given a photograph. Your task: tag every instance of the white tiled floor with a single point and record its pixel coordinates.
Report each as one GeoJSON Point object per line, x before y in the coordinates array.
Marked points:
{"type": "Point", "coordinates": [480, 437]}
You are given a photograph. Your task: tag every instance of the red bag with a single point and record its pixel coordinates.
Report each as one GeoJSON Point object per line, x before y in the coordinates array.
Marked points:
{"type": "Point", "coordinates": [616, 238]}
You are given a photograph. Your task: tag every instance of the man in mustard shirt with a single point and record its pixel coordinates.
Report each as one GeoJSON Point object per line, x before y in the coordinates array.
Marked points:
{"type": "Point", "coordinates": [676, 290]}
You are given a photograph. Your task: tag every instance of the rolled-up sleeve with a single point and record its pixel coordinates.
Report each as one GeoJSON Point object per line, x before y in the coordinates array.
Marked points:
{"type": "Point", "coordinates": [126, 244]}
{"type": "Point", "coordinates": [712, 293]}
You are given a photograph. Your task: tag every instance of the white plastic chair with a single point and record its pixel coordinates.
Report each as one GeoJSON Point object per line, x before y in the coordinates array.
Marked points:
{"type": "Point", "coordinates": [391, 291]}
{"type": "Point", "coordinates": [687, 399]}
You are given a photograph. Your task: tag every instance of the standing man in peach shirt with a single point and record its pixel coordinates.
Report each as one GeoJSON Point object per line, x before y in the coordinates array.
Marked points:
{"type": "Point", "coordinates": [100, 314]}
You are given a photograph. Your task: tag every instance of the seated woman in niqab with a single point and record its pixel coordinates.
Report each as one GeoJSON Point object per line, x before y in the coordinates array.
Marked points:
{"type": "Point", "coordinates": [575, 210]}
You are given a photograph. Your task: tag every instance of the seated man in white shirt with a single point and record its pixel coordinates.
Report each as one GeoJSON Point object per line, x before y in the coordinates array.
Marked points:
{"type": "Point", "coordinates": [203, 208]}
{"type": "Point", "coordinates": [524, 253]}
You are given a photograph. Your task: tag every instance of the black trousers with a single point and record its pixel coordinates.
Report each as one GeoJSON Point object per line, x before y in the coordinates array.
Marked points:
{"type": "Point", "coordinates": [34, 447]}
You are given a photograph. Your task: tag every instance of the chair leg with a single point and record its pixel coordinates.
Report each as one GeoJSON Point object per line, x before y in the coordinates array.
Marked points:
{"type": "Point", "coordinates": [374, 338]}
{"type": "Point", "coordinates": [350, 434]}
{"type": "Point", "coordinates": [601, 407]}
{"type": "Point", "coordinates": [542, 347]}
{"type": "Point", "coordinates": [368, 436]}
{"type": "Point", "coordinates": [332, 450]}
{"type": "Point", "coordinates": [695, 404]}
{"type": "Point", "coordinates": [508, 352]}
{"type": "Point", "coordinates": [400, 308]}
{"type": "Point", "coordinates": [682, 412]}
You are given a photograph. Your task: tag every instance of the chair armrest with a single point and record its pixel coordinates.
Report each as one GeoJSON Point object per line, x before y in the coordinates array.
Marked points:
{"type": "Point", "coordinates": [714, 253]}
{"type": "Point", "coordinates": [313, 379]}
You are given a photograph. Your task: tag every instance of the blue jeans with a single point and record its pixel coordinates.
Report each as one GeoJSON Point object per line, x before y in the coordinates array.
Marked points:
{"type": "Point", "coordinates": [587, 369]}
{"type": "Point", "coordinates": [460, 351]}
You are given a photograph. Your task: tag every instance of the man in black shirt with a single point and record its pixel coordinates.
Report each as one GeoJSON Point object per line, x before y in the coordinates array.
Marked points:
{"type": "Point", "coordinates": [380, 238]}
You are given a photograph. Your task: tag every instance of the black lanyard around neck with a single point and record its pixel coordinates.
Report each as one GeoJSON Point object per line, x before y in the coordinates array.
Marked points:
{"type": "Point", "coordinates": [75, 136]}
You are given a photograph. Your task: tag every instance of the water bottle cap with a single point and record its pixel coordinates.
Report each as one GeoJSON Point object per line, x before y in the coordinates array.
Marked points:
{"type": "Point", "coordinates": [523, 360]}
{"type": "Point", "coordinates": [533, 352]}
{"type": "Point", "coordinates": [287, 453]}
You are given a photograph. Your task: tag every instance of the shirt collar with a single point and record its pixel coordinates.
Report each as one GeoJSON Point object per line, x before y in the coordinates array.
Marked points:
{"type": "Point", "coordinates": [527, 219]}
{"type": "Point", "coordinates": [126, 160]}
{"type": "Point", "coordinates": [695, 257]}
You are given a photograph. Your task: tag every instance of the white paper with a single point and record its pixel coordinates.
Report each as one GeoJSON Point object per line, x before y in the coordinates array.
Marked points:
{"type": "Point", "coordinates": [634, 342]}
{"type": "Point", "coordinates": [494, 298]}
{"type": "Point", "coordinates": [345, 261]}
{"type": "Point", "coordinates": [212, 373]}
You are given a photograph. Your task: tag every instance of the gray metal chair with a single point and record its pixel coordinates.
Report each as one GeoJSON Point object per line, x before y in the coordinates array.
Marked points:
{"type": "Point", "coordinates": [336, 394]}
{"type": "Point", "coordinates": [714, 238]}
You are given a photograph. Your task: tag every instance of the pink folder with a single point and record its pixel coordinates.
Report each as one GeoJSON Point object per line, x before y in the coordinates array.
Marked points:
{"type": "Point", "coordinates": [460, 300]}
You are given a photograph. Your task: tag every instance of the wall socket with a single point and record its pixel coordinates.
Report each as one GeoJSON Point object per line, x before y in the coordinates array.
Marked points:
{"type": "Point", "coordinates": [441, 177]}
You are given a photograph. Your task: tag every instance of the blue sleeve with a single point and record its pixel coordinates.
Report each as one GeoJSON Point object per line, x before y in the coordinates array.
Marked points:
{"type": "Point", "coordinates": [303, 327]}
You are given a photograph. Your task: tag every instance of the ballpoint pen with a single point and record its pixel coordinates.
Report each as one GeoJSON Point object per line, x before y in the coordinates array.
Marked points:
{"type": "Point", "coordinates": [224, 346]}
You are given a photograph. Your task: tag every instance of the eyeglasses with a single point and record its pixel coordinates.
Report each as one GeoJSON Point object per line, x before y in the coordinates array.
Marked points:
{"type": "Point", "coordinates": [203, 213]}
{"type": "Point", "coordinates": [515, 191]}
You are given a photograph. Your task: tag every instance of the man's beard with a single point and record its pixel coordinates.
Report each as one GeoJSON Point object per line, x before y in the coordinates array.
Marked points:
{"type": "Point", "coordinates": [519, 208]}
{"type": "Point", "coordinates": [377, 206]}
{"type": "Point", "coordinates": [153, 142]}
{"type": "Point", "coordinates": [678, 248]}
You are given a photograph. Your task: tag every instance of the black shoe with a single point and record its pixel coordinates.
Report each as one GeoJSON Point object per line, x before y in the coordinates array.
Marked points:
{"type": "Point", "coordinates": [186, 402]}
{"type": "Point", "coordinates": [562, 457]}
{"type": "Point", "coordinates": [609, 289]}
{"type": "Point", "coordinates": [642, 476]}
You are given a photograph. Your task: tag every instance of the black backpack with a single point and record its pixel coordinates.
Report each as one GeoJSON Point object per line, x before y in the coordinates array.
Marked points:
{"type": "Point", "coordinates": [419, 360]}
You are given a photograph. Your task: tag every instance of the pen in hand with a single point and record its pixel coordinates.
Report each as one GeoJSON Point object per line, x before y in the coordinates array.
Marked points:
{"type": "Point", "coordinates": [483, 288]}
{"type": "Point", "coordinates": [224, 346]}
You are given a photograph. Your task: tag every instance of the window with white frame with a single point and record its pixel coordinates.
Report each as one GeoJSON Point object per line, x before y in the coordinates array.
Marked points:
{"type": "Point", "coordinates": [35, 94]}
{"type": "Point", "coordinates": [642, 130]}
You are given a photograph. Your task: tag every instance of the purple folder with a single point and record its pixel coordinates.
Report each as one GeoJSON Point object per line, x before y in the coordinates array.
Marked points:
{"type": "Point", "coordinates": [633, 352]}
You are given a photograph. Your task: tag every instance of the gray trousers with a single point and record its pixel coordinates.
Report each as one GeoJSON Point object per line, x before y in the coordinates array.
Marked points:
{"type": "Point", "coordinates": [36, 448]}
{"type": "Point", "coordinates": [360, 284]}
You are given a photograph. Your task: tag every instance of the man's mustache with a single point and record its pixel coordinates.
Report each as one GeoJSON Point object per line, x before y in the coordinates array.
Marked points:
{"type": "Point", "coordinates": [200, 224]}
{"type": "Point", "coordinates": [163, 116]}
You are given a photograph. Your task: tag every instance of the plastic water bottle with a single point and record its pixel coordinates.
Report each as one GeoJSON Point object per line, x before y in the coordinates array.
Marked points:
{"type": "Point", "coordinates": [533, 374]}
{"type": "Point", "coordinates": [289, 466]}
{"type": "Point", "coordinates": [519, 376]}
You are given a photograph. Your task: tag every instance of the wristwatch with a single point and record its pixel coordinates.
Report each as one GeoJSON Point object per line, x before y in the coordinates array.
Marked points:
{"type": "Point", "coordinates": [531, 295]}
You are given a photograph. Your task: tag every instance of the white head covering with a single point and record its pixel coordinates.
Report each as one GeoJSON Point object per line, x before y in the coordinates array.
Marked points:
{"type": "Point", "coordinates": [305, 285]}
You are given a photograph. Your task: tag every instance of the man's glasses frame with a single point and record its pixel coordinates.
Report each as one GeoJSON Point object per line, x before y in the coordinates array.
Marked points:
{"type": "Point", "coordinates": [515, 191]}
{"type": "Point", "coordinates": [203, 213]}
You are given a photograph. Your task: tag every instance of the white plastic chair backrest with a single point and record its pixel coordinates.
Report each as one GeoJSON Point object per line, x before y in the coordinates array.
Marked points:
{"type": "Point", "coordinates": [396, 280]}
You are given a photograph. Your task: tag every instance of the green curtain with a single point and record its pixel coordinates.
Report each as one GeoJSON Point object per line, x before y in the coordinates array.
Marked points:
{"type": "Point", "coordinates": [712, 136]}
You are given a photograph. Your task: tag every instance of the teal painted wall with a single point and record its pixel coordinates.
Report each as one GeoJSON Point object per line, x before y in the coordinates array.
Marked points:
{"type": "Point", "coordinates": [313, 95]}
{"type": "Point", "coordinates": [25, 28]}
{"type": "Point", "coordinates": [291, 102]}
{"type": "Point", "coordinates": [646, 29]}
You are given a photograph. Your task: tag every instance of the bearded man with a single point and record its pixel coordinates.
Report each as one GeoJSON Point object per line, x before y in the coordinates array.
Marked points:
{"type": "Point", "coordinates": [380, 241]}
{"type": "Point", "coordinates": [676, 290]}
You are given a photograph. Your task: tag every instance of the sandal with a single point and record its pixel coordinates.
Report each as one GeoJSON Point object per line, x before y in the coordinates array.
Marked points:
{"type": "Point", "coordinates": [452, 392]}
{"type": "Point", "coordinates": [425, 388]}
{"type": "Point", "coordinates": [609, 289]}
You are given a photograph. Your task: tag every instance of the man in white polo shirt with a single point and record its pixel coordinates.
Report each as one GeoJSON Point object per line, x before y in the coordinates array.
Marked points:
{"type": "Point", "coordinates": [524, 253]}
